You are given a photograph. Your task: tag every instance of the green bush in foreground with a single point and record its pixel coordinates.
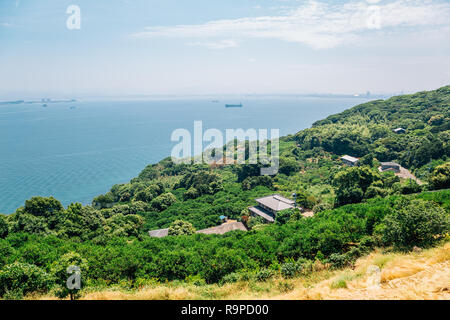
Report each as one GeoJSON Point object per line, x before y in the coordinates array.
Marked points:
{"type": "Point", "coordinates": [61, 273]}
{"type": "Point", "coordinates": [19, 279]}
{"type": "Point", "coordinates": [420, 224]}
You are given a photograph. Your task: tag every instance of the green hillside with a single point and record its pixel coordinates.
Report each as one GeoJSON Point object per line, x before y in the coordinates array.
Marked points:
{"type": "Point", "coordinates": [356, 208]}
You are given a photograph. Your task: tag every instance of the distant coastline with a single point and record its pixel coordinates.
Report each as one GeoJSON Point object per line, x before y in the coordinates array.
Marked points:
{"type": "Point", "coordinates": [36, 101]}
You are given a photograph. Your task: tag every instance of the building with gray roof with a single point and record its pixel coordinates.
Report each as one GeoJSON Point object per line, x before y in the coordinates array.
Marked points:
{"type": "Point", "coordinates": [161, 233]}
{"type": "Point", "coordinates": [349, 160]}
{"type": "Point", "coordinates": [269, 206]}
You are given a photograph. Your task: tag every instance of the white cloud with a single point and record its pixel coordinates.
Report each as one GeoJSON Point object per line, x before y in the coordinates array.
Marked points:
{"type": "Point", "coordinates": [317, 24]}
{"type": "Point", "coordinates": [221, 44]}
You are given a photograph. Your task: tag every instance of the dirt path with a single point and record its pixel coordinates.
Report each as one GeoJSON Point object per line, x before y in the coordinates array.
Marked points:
{"type": "Point", "coordinates": [433, 283]}
{"type": "Point", "coordinates": [406, 174]}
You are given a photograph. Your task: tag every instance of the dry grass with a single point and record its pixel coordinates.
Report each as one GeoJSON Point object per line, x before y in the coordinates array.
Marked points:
{"type": "Point", "coordinates": [422, 275]}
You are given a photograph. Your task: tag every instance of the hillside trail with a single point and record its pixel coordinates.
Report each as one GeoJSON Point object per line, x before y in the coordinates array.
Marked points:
{"type": "Point", "coordinates": [433, 283]}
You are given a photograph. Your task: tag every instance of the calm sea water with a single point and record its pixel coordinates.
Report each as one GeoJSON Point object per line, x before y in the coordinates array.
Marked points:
{"type": "Point", "coordinates": [77, 154]}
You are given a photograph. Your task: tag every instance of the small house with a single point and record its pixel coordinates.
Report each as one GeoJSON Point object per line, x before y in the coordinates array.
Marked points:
{"type": "Point", "coordinates": [224, 228]}
{"type": "Point", "coordinates": [269, 206]}
{"type": "Point", "coordinates": [349, 160]}
{"type": "Point", "coordinates": [160, 233]}
{"type": "Point", "coordinates": [399, 131]}
{"type": "Point", "coordinates": [390, 166]}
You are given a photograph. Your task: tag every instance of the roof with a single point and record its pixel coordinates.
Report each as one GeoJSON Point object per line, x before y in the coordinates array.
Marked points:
{"type": "Point", "coordinates": [399, 129]}
{"type": "Point", "coordinates": [390, 164]}
{"type": "Point", "coordinates": [222, 217]}
{"type": "Point", "coordinates": [161, 233]}
{"type": "Point", "coordinates": [224, 228]}
{"type": "Point", "coordinates": [350, 158]}
{"type": "Point", "coordinates": [262, 213]}
{"type": "Point", "coordinates": [276, 202]}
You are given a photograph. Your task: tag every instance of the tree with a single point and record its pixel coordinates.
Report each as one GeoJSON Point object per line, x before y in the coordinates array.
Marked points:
{"type": "Point", "coordinates": [251, 182]}
{"type": "Point", "coordinates": [352, 183]}
{"type": "Point", "coordinates": [4, 229]}
{"type": "Point", "coordinates": [164, 201]}
{"type": "Point", "coordinates": [320, 207]}
{"type": "Point", "coordinates": [288, 166]}
{"type": "Point", "coordinates": [350, 195]}
{"type": "Point", "coordinates": [203, 182]}
{"type": "Point", "coordinates": [367, 160]}
{"type": "Point", "coordinates": [192, 193]}
{"type": "Point", "coordinates": [305, 200]}
{"type": "Point", "coordinates": [420, 223]}
{"type": "Point", "coordinates": [408, 187]}
{"type": "Point", "coordinates": [70, 264]}
{"type": "Point", "coordinates": [5, 252]}
{"type": "Point", "coordinates": [436, 120]}
{"type": "Point", "coordinates": [82, 222]}
{"type": "Point", "coordinates": [248, 170]}
{"type": "Point", "coordinates": [180, 227]}
{"type": "Point", "coordinates": [373, 192]}
{"type": "Point", "coordinates": [440, 177]}
{"type": "Point", "coordinates": [43, 207]}
{"type": "Point", "coordinates": [19, 279]}
{"type": "Point", "coordinates": [103, 201]}
{"type": "Point", "coordinates": [288, 215]}
{"type": "Point", "coordinates": [255, 221]}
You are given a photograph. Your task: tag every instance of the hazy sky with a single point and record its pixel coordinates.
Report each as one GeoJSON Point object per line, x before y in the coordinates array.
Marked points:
{"type": "Point", "coordinates": [227, 46]}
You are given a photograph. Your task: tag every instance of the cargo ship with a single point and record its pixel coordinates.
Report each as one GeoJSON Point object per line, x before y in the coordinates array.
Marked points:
{"type": "Point", "coordinates": [233, 105]}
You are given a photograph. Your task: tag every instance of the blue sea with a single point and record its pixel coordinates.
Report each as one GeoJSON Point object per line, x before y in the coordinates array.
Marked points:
{"type": "Point", "coordinates": [75, 154]}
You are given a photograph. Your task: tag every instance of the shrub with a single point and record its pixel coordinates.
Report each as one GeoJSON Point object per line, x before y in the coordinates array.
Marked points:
{"type": "Point", "coordinates": [367, 243]}
{"type": "Point", "coordinates": [19, 279]}
{"type": "Point", "coordinates": [203, 181]}
{"type": "Point", "coordinates": [180, 227]}
{"type": "Point", "coordinates": [5, 252]}
{"type": "Point", "coordinates": [339, 283]}
{"type": "Point", "coordinates": [59, 270]}
{"type": "Point", "coordinates": [338, 260]}
{"type": "Point", "coordinates": [103, 201]}
{"type": "Point", "coordinates": [320, 207]}
{"type": "Point", "coordinates": [264, 275]}
{"type": "Point", "coordinates": [440, 178]}
{"type": "Point", "coordinates": [255, 221]}
{"type": "Point", "coordinates": [164, 201]}
{"type": "Point", "coordinates": [196, 280]}
{"type": "Point", "coordinates": [285, 286]}
{"type": "Point", "coordinates": [290, 270]}
{"type": "Point", "coordinates": [252, 182]}
{"type": "Point", "coordinates": [373, 192]}
{"type": "Point", "coordinates": [419, 224]}
{"type": "Point", "coordinates": [4, 229]}
{"type": "Point", "coordinates": [288, 166]}
{"type": "Point", "coordinates": [407, 187]}
{"type": "Point", "coordinates": [284, 216]}
{"type": "Point", "coordinates": [192, 193]}
{"type": "Point", "coordinates": [40, 206]}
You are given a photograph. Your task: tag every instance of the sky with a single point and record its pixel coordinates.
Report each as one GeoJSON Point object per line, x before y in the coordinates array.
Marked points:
{"type": "Point", "coordinates": [146, 47]}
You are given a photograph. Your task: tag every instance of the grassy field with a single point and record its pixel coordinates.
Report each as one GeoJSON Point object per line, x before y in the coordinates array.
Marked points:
{"type": "Point", "coordinates": [423, 274]}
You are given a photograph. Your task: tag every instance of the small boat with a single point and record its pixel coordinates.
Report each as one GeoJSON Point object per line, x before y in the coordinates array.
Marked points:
{"type": "Point", "coordinates": [44, 105]}
{"type": "Point", "coordinates": [71, 108]}
{"type": "Point", "coordinates": [233, 105]}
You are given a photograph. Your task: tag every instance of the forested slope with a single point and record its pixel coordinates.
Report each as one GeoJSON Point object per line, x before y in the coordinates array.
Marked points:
{"type": "Point", "coordinates": [356, 209]}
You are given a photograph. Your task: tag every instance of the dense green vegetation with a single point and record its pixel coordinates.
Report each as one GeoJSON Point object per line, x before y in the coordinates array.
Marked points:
{"type": "Point", "coordinates": [355, 208]}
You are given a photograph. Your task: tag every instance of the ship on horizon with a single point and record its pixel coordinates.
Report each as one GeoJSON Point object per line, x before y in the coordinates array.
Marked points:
{"type": "Point", "coordinates": [233, 105]}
